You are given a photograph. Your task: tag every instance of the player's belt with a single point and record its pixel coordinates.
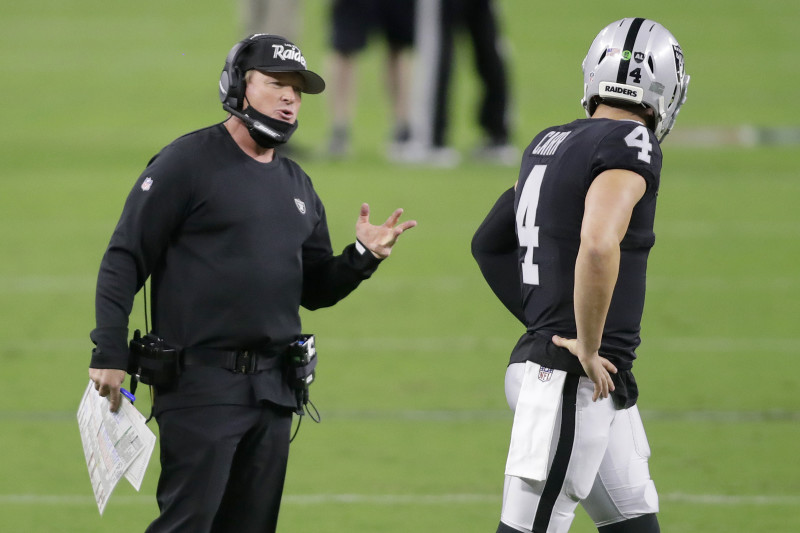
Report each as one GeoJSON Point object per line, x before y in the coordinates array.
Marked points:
{"type": "Point", "coordinates": [238, 361]}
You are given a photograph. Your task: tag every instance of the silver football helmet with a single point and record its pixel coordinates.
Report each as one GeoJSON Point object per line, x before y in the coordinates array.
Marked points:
{"type": "Point", "coordinates": [636, 61]}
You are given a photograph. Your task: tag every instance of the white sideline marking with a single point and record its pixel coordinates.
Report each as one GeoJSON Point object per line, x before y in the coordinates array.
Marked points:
{"type": "Point", "coordinates": [396, 499]}
{"type": "Point", "coordinates": [690, 229]}
{"type": "Point", "coordinates": [708, 229]}
{"type": "Point", "coordinates": [501, 346]}
{"type": "Point", "coordinates": [727, 499]}
{"type": "Point", "coordinates": [716, 345]}
{"type": "Point", "coordinates": [741, 135]}
{"type": "Point", "coordinates": [506, 415]}
{"type": "Point", "coordinates": [47, 284]}
{"type": "Point", "coordinates": [470, 415]}
{"type": "Point", "coordinates": [729, 284]}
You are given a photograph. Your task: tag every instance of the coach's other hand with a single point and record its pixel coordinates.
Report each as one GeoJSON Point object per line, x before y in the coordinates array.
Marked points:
{"type": "Point", "coordinates": [107, 382]}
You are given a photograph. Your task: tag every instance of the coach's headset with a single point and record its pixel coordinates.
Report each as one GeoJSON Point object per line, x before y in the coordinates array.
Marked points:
{"type": "Point", "coordinates": [231, 94]}
{"type": "Point", "coordinates": [231, 81]}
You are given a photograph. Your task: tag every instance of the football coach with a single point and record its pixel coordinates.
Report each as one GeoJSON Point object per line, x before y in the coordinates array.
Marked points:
{"type": "Point", "coordinates": [234, 239]}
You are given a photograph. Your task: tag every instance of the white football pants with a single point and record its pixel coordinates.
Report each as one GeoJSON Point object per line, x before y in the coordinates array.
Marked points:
{"type": "Point", "coordinates": [598, 458]}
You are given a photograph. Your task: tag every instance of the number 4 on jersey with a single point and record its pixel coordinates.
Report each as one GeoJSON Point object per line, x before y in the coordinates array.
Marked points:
{"type": "Point", "coordinates": [527, 231]}
{"type": "Point", "coordinates": [639, 138]}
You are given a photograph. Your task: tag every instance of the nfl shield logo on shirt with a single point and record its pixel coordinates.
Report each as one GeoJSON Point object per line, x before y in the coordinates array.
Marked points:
{"type": "Point", "coordinates": [545, 374]}
{"type": "Point", "coordinates": [147, 183]}
{"type": "Point", "coordinates": [301, 205]}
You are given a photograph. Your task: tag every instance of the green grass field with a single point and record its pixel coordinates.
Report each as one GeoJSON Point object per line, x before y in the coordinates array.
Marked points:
{"type": "Point", "coordinates": [410, 384]}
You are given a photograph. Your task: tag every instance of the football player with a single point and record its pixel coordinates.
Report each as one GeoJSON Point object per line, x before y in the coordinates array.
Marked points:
{"type": "Point", "coordinates": [565, 250]}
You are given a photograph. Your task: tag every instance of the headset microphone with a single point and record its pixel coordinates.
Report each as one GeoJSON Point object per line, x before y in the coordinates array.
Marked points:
{"type": "Point", "coordinates": [253, 124]}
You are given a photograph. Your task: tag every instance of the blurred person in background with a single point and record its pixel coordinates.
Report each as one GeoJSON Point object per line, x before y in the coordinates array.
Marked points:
{"type": "Point", "coordinates": [234, 239]}
{"type": "Point", "coordinates": [438, 24]}
{"type": "Point", "coordinates": [353, 24]}
{"type": "Point", "coordinates": [565, 250]}
{"type": "Point", "coordinates": [279, 17]}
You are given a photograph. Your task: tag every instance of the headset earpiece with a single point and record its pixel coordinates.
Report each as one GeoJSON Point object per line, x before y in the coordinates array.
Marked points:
{"type": "Point", "coordinates": [231, 82]}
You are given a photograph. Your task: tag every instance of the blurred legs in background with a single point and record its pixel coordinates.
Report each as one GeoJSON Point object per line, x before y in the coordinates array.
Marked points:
{"type": "Point", "coordinates": [279, 17]}
{"type": "Point", "coordinates": [438, 22]}
{"type": "Point", "coordinates": [353, 22]}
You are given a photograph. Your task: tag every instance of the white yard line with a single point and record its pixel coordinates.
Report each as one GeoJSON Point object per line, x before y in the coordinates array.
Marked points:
{"type": "Point", "coordinates": [471, 415]}
{"type": "Point", "coordinates": [397, 499]}
{"type": "Point", "coordinates": [491, 345]}
{"type": "Point", "coordinates": [689, 229]}
{"type": "Point", "coordinates": [24, 284]}
{"type": "Point", "coordinates": [742, 135]}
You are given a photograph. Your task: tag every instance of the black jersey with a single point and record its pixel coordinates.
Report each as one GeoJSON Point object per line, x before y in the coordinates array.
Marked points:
{"type": "Point", "coordinates": [233, 246]}
{"type": "Point", "coordinates": [557, 170]}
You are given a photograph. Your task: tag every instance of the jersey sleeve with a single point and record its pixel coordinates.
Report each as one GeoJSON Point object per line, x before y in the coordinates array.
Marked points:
{"type": "Point", "coordinates": [328, 278]}
{"type": "Point", "coordinates": [495, 249]}
{"type": "Point", "coordinates": [154, 209]}
{"type": "Point", "coordinates": [630, 146]}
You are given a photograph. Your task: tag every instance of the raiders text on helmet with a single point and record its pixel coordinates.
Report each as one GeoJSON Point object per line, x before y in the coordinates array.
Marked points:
{"type": "Point", "coordinates": [636, 61]}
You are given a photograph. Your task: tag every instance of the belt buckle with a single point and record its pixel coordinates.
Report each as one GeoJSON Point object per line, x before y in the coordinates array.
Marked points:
{"type": "Point", "coordinates": [245, 362]}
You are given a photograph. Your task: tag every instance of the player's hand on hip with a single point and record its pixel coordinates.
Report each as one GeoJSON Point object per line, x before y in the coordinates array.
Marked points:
{"type": "Point", "coordinates": [107, 382]}
{"type": "Point", "coordinates": [380, 239]}
{"type": "Point", "coordinates": [598, 368]}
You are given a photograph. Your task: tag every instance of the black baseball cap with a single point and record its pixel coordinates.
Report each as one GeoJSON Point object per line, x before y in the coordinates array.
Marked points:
{"type": "Point", "coordinates": [273, 53]}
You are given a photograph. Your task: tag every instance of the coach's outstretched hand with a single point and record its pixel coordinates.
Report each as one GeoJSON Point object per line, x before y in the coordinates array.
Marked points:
{"type": "Point", "coordinates": [380, 239]}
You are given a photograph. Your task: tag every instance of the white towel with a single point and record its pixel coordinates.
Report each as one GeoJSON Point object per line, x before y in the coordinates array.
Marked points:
{"type": "Point", "coordinates": [534, 422]}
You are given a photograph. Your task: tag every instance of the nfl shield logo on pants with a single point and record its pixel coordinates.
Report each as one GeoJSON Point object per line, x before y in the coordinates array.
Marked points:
{"type": "Point", "coordinates": [545, 373]}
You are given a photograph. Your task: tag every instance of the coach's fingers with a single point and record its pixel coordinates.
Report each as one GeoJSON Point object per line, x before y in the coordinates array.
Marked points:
{"type": "Point", "coordinates": [113, 395]}
{"type": "Point", "coordinates": [114, 400]}
{"type": "Point", "coordinates": [107, 382]}
{"type": "Point", "coordinates": [399, 229]}
{"type": "Point", "coordinates": [393, 218]}
{"type": "Point", "coordinates": [363, 214]}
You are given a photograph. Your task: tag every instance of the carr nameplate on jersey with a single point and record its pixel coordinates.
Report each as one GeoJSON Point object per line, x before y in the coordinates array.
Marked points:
{"type": "Point", "coordinates": [550, 143]}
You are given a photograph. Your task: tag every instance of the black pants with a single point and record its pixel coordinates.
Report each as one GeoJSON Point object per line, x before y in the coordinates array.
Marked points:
{"type": "Point", "coordinates": [478, 18]}
{"type": "Point", "coordinates": [222, 468]}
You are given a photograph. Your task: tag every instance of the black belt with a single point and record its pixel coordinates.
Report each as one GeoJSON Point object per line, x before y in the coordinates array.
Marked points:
{"type": "Point", "coordinates": [238, 361]}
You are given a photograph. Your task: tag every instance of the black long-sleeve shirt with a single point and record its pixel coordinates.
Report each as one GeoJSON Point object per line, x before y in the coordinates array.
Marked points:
{"type": "Point", "coordinates": [495, 248]}
{"type": "Point", "coordinates": [234, 248]}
